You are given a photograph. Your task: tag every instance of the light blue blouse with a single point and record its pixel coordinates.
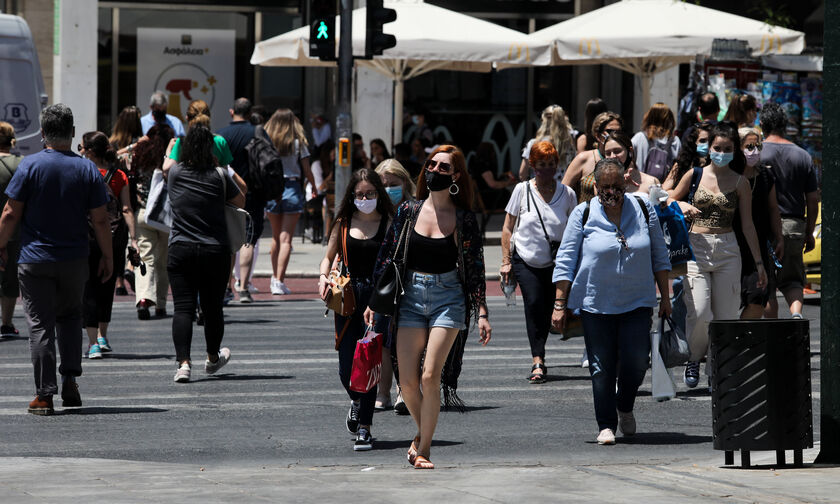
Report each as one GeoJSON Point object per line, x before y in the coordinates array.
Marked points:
{"type": "Point", "coordinates": [605, 277]}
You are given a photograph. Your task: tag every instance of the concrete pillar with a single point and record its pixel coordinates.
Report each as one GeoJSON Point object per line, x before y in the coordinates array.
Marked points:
{"type": "Point", "coordinates": [665, 88]}
{"type": "Point", "coordinates": [373, 105]}
{"type": "Point", "coordinates": [74, 61]}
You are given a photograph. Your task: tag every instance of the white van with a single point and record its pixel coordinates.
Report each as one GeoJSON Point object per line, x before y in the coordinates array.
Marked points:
{"type": "Point", "coordinates": [22, 93]}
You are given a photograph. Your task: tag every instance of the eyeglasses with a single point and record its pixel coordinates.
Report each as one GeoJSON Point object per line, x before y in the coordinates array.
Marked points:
{"type": "Point", "coordinates": [442, 167]}
{"type": "Point", "coordinates": [611, 187]}
{"type": "Point", "coordinates": [366, 195]}
{"type": "Point", "coordinates": [751, 146]}
{"type": "Point", "coordinates": [622, 240]}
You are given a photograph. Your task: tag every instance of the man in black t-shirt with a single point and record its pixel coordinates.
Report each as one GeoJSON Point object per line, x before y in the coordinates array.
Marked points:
{"type": "Point", "coordinates": [238, 133]}
{"type": "Point", "coordinates": [797, 190]}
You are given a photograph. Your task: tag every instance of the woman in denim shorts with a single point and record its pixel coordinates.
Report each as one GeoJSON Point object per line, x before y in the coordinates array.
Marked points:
{"type": "Point", "coordinates": [444, 286]}
{"type": "Point", "coordinates": [289, 139]}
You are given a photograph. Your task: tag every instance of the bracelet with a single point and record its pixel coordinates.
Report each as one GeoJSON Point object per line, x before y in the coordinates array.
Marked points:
{"type": "Point", "coordinates": [560, 299]}
{"type": "Point", "coordinates": [558, 306]}
{"type": "Point", "coordinates": [323, 275]}
{"type": "Point", "coordinates": [758, 263]}
{"type": "Point", "coordinates": [484, 316]}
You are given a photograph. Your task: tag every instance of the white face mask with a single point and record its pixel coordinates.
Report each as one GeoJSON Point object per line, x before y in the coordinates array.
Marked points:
{"type": "Point", "coordinates": [365, 206]}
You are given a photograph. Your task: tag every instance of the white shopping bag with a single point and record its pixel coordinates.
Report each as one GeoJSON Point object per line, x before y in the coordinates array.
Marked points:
{"type": "Point", "coordinates": [662, 388]}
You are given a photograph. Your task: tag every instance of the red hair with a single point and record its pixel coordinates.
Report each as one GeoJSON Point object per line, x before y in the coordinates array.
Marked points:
{"type": "Point", "coordinates": [543, 151]}
{"type": "Point", "coordinates": [464, 198]}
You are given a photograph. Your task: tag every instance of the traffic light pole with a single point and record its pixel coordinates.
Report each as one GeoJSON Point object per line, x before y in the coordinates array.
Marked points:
{"type": "Point", "coordinates": [344, 121]}
{"type": "Point", "coordinates": [829, 314]}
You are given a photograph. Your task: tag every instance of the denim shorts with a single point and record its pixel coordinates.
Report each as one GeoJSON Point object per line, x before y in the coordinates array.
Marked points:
{"type": "Point", "coordinates": [292, 201]}
{"type": "Point", "coordinates": [433, 301]}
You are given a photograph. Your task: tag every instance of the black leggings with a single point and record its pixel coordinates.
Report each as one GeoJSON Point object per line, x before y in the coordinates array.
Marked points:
{"type": "Point", "coordinates": [197, 272]}
{"type": "Point", "coordinates": [347, 349]}
{"type": "Point", "coordinates": [99, 297]}
{"type": "Point", "coordinates": [538, 297]}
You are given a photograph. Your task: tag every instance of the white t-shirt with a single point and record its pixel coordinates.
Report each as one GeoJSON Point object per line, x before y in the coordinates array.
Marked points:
{"type": "Point", "coordinates": [291, 162]}
{"type": "Point", "coordinates": [528, 236]}
{"type": "Point", "coordinates": [318, 175]}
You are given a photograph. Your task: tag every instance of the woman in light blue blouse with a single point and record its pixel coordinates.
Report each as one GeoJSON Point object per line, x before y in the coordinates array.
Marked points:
{"type": "Point", "coordinates": [612, 258]}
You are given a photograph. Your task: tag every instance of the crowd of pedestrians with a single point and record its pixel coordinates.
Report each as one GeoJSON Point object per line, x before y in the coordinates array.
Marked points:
{"type": "Point", "coordinates": [581, 238]}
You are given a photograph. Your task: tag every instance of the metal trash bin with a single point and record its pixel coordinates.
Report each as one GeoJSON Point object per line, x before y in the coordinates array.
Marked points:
{"type": "Point", "coordinates": [761, 388]}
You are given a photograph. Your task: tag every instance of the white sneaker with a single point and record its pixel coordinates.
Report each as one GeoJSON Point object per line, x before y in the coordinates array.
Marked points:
{"type": "Point", "coordinates": [275, 287]}
{"type": "Point", "coordinates": [212, 367]}
{"type": "Point", "coordinates": [606, 437]}
{"type": "Point", "coordinates": [183, 373]}
{"type": "Point", "coordinates": [627, 423]}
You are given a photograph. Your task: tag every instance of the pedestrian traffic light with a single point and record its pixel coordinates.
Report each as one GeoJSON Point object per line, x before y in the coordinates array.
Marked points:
{"type": "Point", "coordinates": [376, 41]}
{"type": "Point", "coordinates": [322, 29]}
{"type": "Point", "coordinates": [344, 152]}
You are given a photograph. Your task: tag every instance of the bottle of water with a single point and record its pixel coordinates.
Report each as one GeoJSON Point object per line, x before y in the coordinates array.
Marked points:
{"type": "Point", "coordinates": [509, 290]}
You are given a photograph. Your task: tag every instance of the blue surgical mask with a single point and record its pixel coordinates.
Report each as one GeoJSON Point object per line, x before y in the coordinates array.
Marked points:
{"type": "Point", "coordinates": [703, 149]}
{"type": "Point", "coordinates": [722, 158]}
{"type": "Point", "coordinates": [395, 193]}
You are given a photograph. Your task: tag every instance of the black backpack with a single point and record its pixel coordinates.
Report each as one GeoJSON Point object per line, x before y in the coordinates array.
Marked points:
{"type": "Point", "coordinates": [265, 178]}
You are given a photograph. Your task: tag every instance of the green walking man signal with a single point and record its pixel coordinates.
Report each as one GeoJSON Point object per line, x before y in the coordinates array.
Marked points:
{"type": "Point", "coordinates": [322, 31]}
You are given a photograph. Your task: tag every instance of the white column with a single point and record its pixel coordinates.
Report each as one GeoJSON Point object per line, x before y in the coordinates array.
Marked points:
{"type": "Point", "coordinates": [373, 101]}
{"type": "Point", "coordinates": [663, 87]}
{"type": "Point", "coordinates": [74, 61]}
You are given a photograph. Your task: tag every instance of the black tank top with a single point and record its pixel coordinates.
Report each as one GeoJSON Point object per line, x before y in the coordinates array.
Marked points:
{"type": "Point", "coordinates": [432, 255]}
{"type": "Point", "coordinates": [362, 253]}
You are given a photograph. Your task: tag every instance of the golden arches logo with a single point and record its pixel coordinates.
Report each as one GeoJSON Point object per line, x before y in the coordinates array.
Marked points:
{"type": "Point", "coordinates": [768, 41]}
{"type": "Point", "coordinates": [518, 49]}
{"type": "Point", "coordinates": [589, 43]}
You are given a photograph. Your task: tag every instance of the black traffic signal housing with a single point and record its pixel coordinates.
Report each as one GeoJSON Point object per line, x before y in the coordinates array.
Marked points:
{"type": "Point", "coordinates": [322, 29]}
{"type": "Point", "coordinates": [376, 41]}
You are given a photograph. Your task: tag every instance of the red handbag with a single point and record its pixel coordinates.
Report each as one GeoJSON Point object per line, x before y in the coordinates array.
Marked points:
{"type": "Point", "coordinates": [367, 362]}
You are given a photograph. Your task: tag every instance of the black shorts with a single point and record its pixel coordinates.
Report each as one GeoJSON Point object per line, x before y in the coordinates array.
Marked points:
{"type": "Point", "coordinates": [256, 209]}
{"type": "Point", "coordinates": [752, 295]}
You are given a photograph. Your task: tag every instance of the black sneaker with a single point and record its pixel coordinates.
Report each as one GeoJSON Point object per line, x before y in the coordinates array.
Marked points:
{"type": "Point", "coordinates": [691, 377]}
{"type": "Point", "coordinates": [364, 441]}
{"type": "Point", "coordinates": [143, 310]}
{"type": "Point", "coordinates": [399, 407]}
{"type": "Point", "coordinates": [353, 417]}
{"type": "Point", "coordinates": [8, 331]}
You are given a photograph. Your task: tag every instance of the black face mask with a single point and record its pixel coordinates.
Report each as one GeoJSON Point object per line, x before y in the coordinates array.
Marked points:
{"type": "Point", "coordinates": [437, 181]}
{"type": "Point", "coordinates": [159, 115]}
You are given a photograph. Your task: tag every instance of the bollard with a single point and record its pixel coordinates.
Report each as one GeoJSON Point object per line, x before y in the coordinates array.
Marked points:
{"type": "Point", "coordinates": [761, 388]}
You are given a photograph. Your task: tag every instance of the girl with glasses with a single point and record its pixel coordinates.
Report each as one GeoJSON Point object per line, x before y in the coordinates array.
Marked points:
{"type": "Point", "coordinates": [355, 238]}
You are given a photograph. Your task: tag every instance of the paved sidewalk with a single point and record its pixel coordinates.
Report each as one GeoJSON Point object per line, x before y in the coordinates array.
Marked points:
{"type": "Point", "coordinates": [95, 480]}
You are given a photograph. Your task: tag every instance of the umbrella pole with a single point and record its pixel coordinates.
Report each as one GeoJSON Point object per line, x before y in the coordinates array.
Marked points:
{"type": "Point", "coordinates": [396, 133]}
{"type": "Point", "coordinates": [647, 86]}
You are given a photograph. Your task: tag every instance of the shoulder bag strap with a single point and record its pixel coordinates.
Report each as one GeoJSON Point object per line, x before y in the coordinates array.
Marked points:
{"type": "Point", "coordinates": [536, 208]}
{"type": "Point", "coordinates": [345, 231]}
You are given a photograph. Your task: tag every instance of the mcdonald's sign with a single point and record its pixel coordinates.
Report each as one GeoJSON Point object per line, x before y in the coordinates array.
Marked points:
{"type": "Point", "coordinates": [516, 50]}
{"type": "Point", "coordinates": [589, 44]}
{"type": "Point", "coordinates": [770, 40]}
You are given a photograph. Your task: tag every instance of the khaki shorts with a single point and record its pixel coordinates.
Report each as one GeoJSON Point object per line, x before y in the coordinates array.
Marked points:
{"type": "Point", "coordinates": [792, 274]}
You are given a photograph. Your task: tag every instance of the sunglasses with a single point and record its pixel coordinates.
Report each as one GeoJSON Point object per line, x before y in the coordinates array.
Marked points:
{"type": "Point", "coordinates": [609, 131]}
{"type": "Point", "coordinates": [80, 147]}
{"type": "Point", "coordinates": [751, 146]}
{"type": "Point", "coordinates": [618, 188]}
{"type": "Point", "coordinates": [622, 240]}
{"type": "Point", "coordinates": [366, 195]}
{"type": "Point", "coordinates": [442, 167]}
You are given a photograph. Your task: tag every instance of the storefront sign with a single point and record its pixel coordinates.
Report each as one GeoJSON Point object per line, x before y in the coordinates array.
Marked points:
{"type": "Point", "coordinates": [187, 64]}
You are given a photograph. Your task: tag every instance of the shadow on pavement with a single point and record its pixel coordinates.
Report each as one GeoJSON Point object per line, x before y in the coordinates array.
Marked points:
{"type": "Point", "coordinates": [107, 410]}
{"type": "Point", "coordinates": [467, 409]}
{"type": "Point", "coordinates": [663, 438]}
{"type": "Point", "coordinates": [250, 321]}
{"type": "Point", "coordinates": [560, 378]}
{"type": "Point", "coordinates": [13, 338]}
{"type": "Point", "coordinates": [404, 444]}
{"type": "Point", "coordinates": [238, 377]}
{"type": "Point", "coordinates": [127, 356]}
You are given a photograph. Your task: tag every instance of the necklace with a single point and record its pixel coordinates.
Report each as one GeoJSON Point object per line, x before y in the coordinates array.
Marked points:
{"type": "Point", "coordinates": [550, 187]}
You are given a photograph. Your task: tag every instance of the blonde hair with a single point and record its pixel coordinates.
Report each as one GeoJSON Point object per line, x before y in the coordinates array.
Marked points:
{"type": "Point", "coordinates": [395, 168]}
{"type": "Point", "coordinates": [743, 133]}
{"type": "Point", "coordinates": [284, 128]}
{"type": "Point", "coordinates": [555, 125]}
{"type": "Point", "coordinates": [200, 120]}
{"type": "Point", "coordinates": [196, 108]}
{"type": "Point", "coordinates": [7, 135]}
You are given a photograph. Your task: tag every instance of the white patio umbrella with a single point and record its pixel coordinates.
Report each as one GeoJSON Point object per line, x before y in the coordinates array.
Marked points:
{"type": "Point", "coordinates": [428, 38]}
{"type": "Point", "coordinates": [647, 36]}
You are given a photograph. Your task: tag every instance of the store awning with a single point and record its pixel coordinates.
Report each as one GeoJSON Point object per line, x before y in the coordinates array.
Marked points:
{"type": "Point", "coordinates": [428, 38]}
{"type": "Point", "coordinates": [647, 36]}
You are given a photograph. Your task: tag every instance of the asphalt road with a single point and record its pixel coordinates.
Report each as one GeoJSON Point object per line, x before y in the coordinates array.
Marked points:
{"type": "Point", "coordinates": [279, 401]}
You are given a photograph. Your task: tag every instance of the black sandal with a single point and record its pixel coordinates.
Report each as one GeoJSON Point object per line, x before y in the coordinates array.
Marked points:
{"type": "Point", "coordinates": [537, 378]}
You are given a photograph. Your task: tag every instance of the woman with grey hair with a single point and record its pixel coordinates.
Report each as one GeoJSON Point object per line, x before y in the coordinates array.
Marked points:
{"type": "Point", "coordinates": [612, 258]}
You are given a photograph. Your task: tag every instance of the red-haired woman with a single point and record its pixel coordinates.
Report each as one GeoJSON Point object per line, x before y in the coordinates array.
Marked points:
{"type": "Point", "coordinates": [536, 218]}
{"type": "Point", "coordinates": [444, 286]}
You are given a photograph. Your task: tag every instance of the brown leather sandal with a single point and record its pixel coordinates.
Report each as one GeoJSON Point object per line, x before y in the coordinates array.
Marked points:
{"type": "Point", "coordinates": [412, 450]}
{"type": "Point", "coordinates": [421, 462]}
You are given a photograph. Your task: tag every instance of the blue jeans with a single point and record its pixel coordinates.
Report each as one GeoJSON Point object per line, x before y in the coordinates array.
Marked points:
{"type": "Point", "coordinates": [612, 339]}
